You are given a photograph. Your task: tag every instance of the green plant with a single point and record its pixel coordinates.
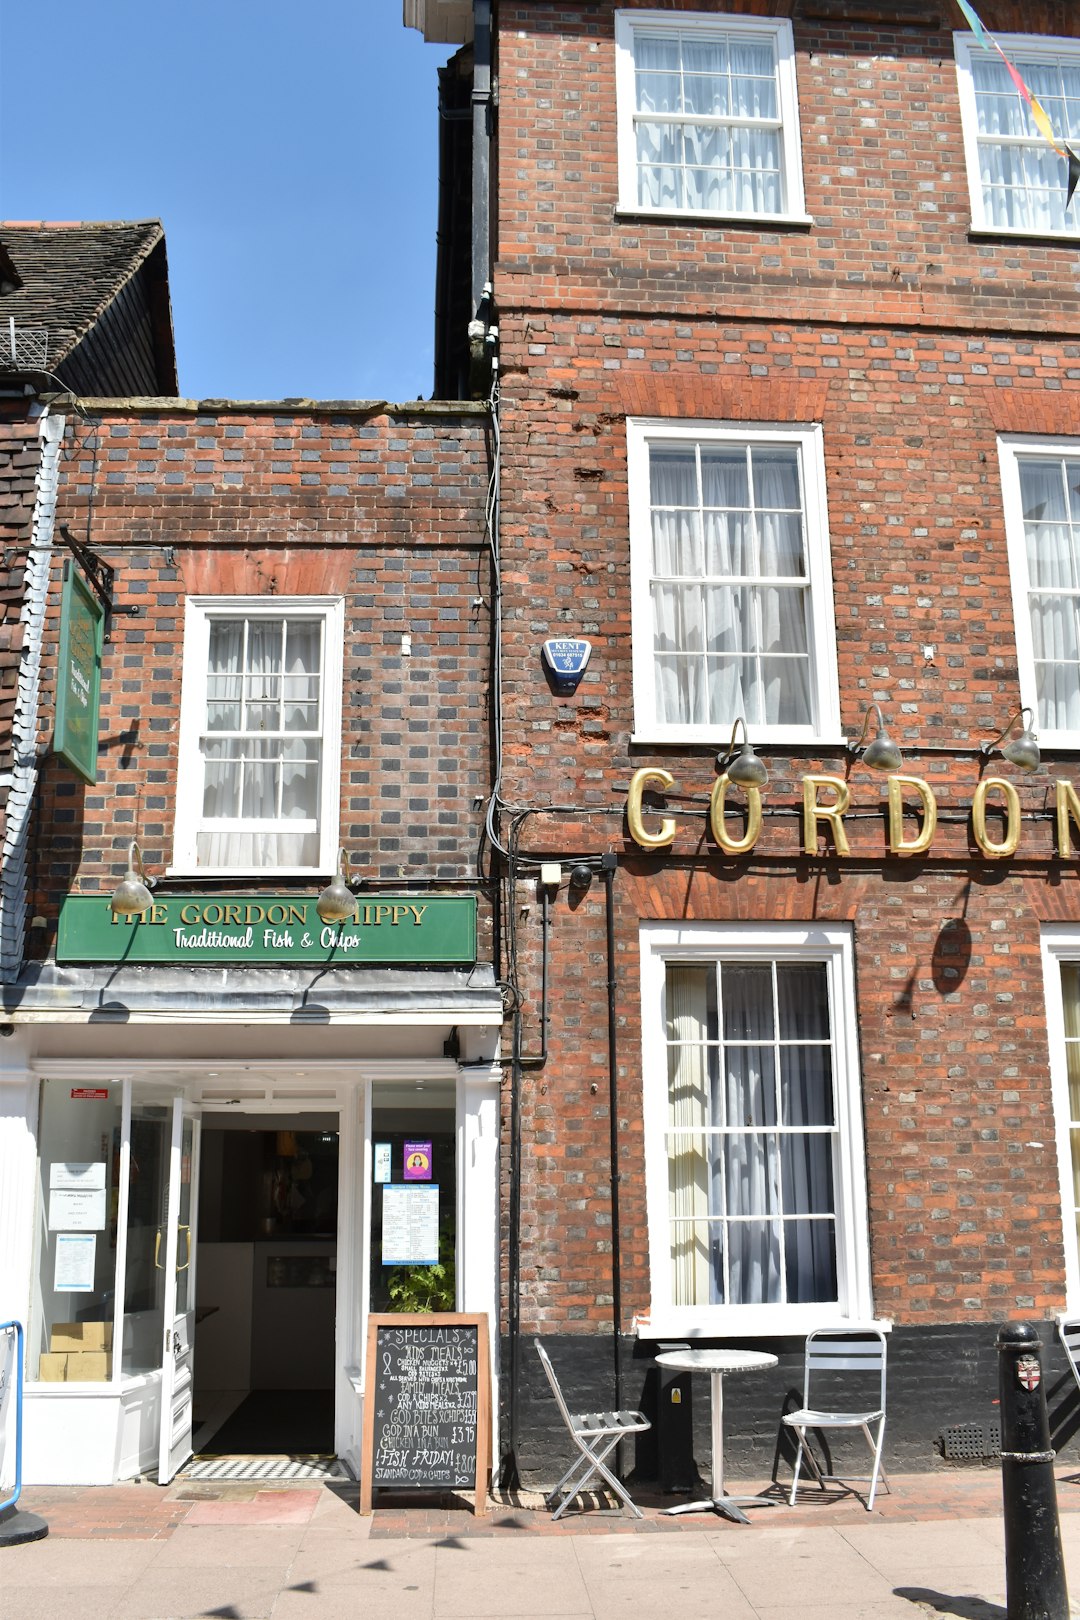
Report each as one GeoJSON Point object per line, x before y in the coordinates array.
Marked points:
{"type": "Point", "coordinates": [426, 1288]}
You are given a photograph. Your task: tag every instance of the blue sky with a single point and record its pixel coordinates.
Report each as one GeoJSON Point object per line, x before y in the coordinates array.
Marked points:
{"type": "Point", "coordinates": [290, 150]}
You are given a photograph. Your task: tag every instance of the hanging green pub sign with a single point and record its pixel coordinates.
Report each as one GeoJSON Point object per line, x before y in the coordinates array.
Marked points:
{"type": "Point", "coordinates": [257, 930]}
{"type": "Point", "coordinates": [78, 675]}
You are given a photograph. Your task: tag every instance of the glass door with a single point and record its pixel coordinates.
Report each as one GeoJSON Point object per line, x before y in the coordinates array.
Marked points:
{"type": "Point", "coordinates": [178, 1360]}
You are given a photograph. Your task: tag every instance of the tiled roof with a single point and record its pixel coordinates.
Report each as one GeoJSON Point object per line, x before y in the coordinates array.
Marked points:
{"type": "Point", "coordinates": [71, 273]}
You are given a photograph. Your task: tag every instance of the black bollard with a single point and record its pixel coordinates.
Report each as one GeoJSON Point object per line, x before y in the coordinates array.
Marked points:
{"type": "Point", "coordinates": [1034, 1567]}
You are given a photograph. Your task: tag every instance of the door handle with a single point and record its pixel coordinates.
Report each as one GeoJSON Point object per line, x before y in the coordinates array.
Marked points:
{"type": "Point", "coordinates": [157, 1252]}
{"type": "Point", "coordinates": [186, 1230]}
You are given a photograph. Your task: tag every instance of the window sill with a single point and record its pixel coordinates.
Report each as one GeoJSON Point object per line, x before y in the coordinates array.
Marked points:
{"type": "Point", "coordinates": [698, 216]}
{"type": "Point", "coordinates": [249, 874]}
{"type": "Point", "coordinates": [748, 1322]}
{"type": "Point", "coordinates": [713, 740]}
{"type": "Point", "coordinates": [1007, 233]}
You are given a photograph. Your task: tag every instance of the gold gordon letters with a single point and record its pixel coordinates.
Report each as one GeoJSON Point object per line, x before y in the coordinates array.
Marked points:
{"type": "Point", "coordinates": [827, 814]}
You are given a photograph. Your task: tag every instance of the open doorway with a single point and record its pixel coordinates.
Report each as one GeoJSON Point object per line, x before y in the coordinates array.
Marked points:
{"type": "Point", "coordinates": [267, 1286]}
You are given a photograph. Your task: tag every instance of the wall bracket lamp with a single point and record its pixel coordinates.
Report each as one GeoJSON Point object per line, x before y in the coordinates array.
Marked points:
{"type": "Point", "coordinates": [880, 753]}
{"type": "Point", "coordinates": [132, 896]}
{"type": "Point", "coordinates": [745, 769]}
{"type": "Point", "coordinates": [1021, 751]}
{"type": "Point", "coordinates": [337, 903]}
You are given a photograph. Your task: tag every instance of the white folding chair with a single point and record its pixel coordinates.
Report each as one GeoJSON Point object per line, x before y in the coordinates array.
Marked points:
{"type": "Point", "coordinates": [595, 1434]}
{"type": "Point", "coordinates": [862, 1354]}
{"type": "Point", "coordinates": [1068, 1328]}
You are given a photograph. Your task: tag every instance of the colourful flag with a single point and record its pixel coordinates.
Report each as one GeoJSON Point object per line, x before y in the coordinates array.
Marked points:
{"type": "Point", "coordinates": [1038, 112]}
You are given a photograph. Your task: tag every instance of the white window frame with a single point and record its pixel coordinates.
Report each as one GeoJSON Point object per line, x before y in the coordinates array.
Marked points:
{"type": "Point", "coordinates": [778, 30]}
{"type": "Point", "coordinates": [704, 943]}
{"type": "Point", "coordinates": [824, 726]}
{"type": "Point", "coordinates": [1061, 944]}
{"type": "Point", "coordinates": [1028, 47]}
{"type": "Point", "coordinates": [1012, 449]}
{"type": "Point", "coordinates": [199, 612]}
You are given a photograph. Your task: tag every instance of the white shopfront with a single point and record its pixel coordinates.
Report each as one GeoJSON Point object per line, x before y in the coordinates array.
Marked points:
{"type": "Point", "coordinates": [192, 1174]}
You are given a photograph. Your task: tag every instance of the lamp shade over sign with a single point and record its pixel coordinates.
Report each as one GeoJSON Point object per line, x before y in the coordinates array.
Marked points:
{"type": "Point", "coordinates": [566, 659]}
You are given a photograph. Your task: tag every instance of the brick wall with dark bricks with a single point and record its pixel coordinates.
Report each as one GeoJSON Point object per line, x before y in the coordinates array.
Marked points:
{"type": "Point", "coordinates": [914, 345]}
{"type": "Point", "coordinates": [384, 508]}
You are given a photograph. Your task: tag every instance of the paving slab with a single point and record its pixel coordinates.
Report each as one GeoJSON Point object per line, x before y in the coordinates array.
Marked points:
{"type": "Point", "coordinates": [658, 1578]}
{"type": "Point", "coordinates": [268, 1507]}
{"type": "Point", "coordinates": [215, 1546]}
{"type": "Point", "coordinates": [515, 1577]}
{"type": "Point", "coordinates": [59, 1602]}
{"type": "Point", "coordinates": [84, 1563]}
{"type": "Point", "coordinates": [188, 1594]}
{"type": "Point", "coordinates": [774, 1567]}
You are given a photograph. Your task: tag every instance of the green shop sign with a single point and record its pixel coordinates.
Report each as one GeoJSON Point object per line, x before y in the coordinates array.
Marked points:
{"type": "Point", "coordinates": [78, 675]}
{"type": "Point", "coordinates": [254, 930]}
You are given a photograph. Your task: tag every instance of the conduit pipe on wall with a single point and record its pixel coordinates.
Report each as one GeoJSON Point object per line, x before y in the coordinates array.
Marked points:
{"type": "Point", "coordinates": [608, 864]}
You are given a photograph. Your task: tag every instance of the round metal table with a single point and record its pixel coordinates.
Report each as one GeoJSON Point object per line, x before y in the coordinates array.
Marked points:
{"type": "Point", "coordinates": [717, 1363]}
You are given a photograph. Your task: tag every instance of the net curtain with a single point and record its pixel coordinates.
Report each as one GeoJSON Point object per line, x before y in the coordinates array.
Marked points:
{"type": "Point", "coordinates": [733, 1175]}
{"type": "Point", "coordinates": [1050, 497]}
{"type": "Point", "coordinates": [1023, 178]}
{"type": "Point", "coordinates": [727, 167]}
{"type": "Point", "coordinates": [730, 587]}
{"type": "Point", "coordinates": [262, 696]}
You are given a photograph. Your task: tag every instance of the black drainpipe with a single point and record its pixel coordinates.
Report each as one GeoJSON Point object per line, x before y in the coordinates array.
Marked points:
{"type": "Point", "coordinates": [608, 864]}
{"type": "Point", "coordinates": [482, 122]}
{"type": "Point", "coordinates": [509, 1478]}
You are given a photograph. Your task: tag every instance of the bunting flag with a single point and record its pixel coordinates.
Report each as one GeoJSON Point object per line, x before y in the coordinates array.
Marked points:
{"type": "Point", "coordinates": [1038, 112]}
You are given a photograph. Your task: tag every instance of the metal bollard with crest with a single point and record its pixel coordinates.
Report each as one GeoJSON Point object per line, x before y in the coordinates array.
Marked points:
{"type": "Point", "coordinates": [1034, 1567]}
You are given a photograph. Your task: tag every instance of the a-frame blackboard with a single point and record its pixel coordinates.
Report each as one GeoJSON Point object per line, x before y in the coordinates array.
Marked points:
{"type": "Point", "coordinates": [427, 1405]}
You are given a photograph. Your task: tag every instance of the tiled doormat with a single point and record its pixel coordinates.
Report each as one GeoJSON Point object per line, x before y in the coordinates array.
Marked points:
{"type": "Point", "coordinates": [265, 1468]}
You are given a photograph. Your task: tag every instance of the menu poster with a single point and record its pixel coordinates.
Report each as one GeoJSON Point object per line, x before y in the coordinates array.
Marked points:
{"type": "Point", "coordinates": [410, 1225]}
{"type": "Point", "coordinates": [74, 1268]}
{"type": "Point", "coordinates": [427, 1405]}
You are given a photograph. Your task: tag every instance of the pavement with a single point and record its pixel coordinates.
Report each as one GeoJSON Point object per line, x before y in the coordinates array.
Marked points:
{"type": "Point", "coordinates": [302, 1551]}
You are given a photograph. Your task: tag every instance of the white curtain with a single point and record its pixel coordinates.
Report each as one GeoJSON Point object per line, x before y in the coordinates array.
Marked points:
{"type": "Point", "coordinates": [261, 746]}
{"type": "Point", "coordinates": [717, 167]}
{"type": "Point", "coordinates": [688, 1104]}
{"type": "Point", "coordinates": [1023, 178]}
{"type": "Point", "coordinates": [751, 1137]}
{"type": "Point", "coordinates": [747, 1162]}
{"type": "Point", "coordinates": [807, 1143]}
{"type": "Point", "coordinates": [1050, 498]}
{"type": "Point", "coordinates": [730, 586]}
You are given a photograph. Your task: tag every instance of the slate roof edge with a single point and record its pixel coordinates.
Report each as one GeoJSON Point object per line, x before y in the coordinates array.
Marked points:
{"type": "Point", "coordinates": [157, 405]}
{"type": "Point", "coordinates": [154, 234]}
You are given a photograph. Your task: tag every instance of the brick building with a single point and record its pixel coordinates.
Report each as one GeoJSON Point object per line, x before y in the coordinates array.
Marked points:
{"type": "Point", "coordinates": [203, 1079]}
{"type": "Point", "coordinates": [789, 391]}
{"type": "Point", "coordinates": [770, 315]}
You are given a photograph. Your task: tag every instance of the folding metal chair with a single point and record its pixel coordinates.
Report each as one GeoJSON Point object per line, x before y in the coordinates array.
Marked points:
{"type": "Point", "coordinates": [829, 1351]}
{"type": "Point", "coordinates": [595, 1434]}
{"type": "Point", "coordinates": [1068, 1328]}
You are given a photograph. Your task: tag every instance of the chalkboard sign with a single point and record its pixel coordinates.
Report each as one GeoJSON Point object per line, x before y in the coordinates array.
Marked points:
{"type": "Point", "coordinates": [427, 1405]}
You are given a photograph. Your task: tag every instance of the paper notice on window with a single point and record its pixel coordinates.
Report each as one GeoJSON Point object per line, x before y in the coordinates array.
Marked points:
{"type": "Point", "coordinates": [75, 1256]}
{"type": "Point", "coordinates": [86, 1176]}
{"type": "Point", "coordinates": [410, 1226]}
{"type": "Point", "coordinates": [77, 1209]}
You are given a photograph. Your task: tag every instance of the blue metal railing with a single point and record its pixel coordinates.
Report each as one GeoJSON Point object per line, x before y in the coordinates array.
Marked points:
{"type": "Point", "coordinates": [7, 1327]}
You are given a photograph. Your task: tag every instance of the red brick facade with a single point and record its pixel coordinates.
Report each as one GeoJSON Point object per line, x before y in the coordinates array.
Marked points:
{"type": "Point", "coordinates": [913, 342]}
{"type": "Point", "coordinates": [382, 506]}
